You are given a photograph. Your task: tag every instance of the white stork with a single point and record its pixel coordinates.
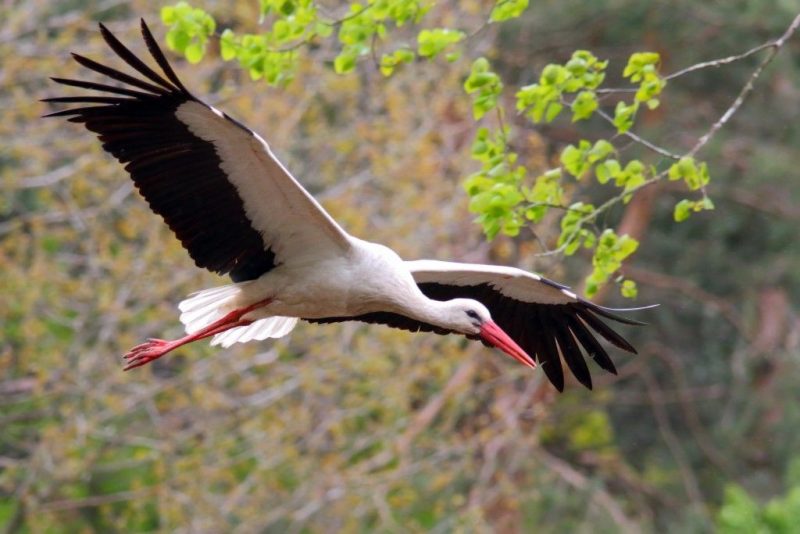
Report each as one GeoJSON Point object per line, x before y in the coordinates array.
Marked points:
{"type": "Point", "coordinates": [239, 212]}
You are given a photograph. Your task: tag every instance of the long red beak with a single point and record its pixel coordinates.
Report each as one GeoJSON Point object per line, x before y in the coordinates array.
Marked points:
{"type": "Point", "coordinates": [491, 333]}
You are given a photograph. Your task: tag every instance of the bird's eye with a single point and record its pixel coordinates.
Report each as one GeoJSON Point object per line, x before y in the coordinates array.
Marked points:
{"type": "Point", "coordinates": [473, 314]}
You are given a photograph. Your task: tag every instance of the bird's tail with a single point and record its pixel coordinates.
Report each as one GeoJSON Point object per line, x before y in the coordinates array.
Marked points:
{"type": "Point", "coordinates": [269, 327]}
{"type": "Point", "coordinates": [204, 307]}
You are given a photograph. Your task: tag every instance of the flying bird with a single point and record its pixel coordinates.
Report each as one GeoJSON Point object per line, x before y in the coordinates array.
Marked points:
{"type": "Point", "coordinates": [238, 212]}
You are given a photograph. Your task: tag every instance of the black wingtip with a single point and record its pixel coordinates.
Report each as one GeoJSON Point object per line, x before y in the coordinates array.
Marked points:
{"type": "Point", "coordinates": [613, 313]}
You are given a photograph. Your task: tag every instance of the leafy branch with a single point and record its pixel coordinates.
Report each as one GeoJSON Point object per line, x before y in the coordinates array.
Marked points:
{"type": "Point", "coordinates": [501, 195]}
{"type": "Point", "coordinates": [576, 86]}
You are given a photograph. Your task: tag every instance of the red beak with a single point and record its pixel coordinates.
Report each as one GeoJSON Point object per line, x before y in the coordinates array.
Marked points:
{"type": "Point", "coordinates": [493, 334]}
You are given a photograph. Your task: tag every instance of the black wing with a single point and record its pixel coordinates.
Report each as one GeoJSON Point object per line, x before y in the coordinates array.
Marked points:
{"type": "Point", "coordinates": [545, 318]}
{"type": "Point", "coordinates": [216, 183]}
{"type": "Point", "coordinates": [548, 332]}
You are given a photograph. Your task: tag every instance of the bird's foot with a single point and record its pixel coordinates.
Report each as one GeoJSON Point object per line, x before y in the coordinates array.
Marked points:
{"type": "Point", "coordinates": [148, 351]}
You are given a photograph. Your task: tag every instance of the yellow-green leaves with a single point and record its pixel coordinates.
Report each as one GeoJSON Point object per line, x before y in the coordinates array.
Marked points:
{"type": "Point", "coordinates": [686, 169]}
{"type": "Point", "coordinates": [573, 234]}
{"type": "Point", "coordinates": [508, 9]}
{"type": "Point", "coordinates": [628, 289]}
{"type": "Point", "coordinates": [578, 160]}
{"type": "Point", "coordinates": [695, 176]}
{"type": "Point", "coordinates": [582, 74]}
{"type": "Point", "coordinates": [545, 193]}
{"type": "Point", "coordinates": [189, 30]}
{"type": "Point", "coordinates": [431, 43]}
{"type": "Point", "coordinates": [685, 207]}
{"type": "Point", "coordinates": [389, 62]}
{"type": "Point", "coordinates": [642, 69]}
{"type": "Point", "coordinates": [272, 54]}
{"type": "Point", "coordinates": [611, 251]}
{"type": "Point", "coordinates": [486, 87]}
{"type": "Point", "coordinates": [495, 190]}
{"type": "Point", "coordinates": [624, 114]}
{"type": "Point", "coordinates": [584, 105]}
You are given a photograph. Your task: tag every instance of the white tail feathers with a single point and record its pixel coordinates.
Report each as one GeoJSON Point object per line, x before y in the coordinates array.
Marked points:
{"type": "Point", "coordinates": [209, 305]}
{"type": "Point", "coordinates": [206, 306]}
{"type": "Point", "coordinates": [270, 327]}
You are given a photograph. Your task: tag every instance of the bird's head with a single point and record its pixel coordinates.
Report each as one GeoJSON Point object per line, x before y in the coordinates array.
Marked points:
{"type": "Point", "coordinates": [472, 318]}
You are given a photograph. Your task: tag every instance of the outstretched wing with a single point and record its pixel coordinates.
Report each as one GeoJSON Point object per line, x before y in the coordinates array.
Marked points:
{"type": "Point", "coordinates": [545, 318]}
{"type": "Point", "coordinates": [215, 182]}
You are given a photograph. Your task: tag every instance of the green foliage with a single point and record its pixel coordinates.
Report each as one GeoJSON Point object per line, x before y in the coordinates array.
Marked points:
{"type": "Point", "coordinates": [642, 69]}
{"type": "Point", "coordinates": [190, 29]}
{"type": "Point", "coordinates": [272, 55]}
{"type": "Point", "coordinates": [740, 513]}
{"type": "Point", "coordinates": [685, 207]}
{"type": "Point", "coordinates": [686, 169]}
{"type": "Point", "coordinates": [486, 87]}
{"type": "Point", "coordinates": [508, 9]}
{"type": "Point", "coordinates": [545, 193]}
{"type": "Point", "coordinates": [573, 234]}
{"type": "Point", "coordinates": [696, 177]}
{"type": "Point", "coordinates": [582, 74]}
{"type": "Point", "coordinates": [431, 43]}
{"type": "Point", "coordinates": [389, 62]}
{"type": "Point", "coordinates": [624, 115]}
{"type": "Point", "coordinates": [579, 160]}
{"type": "Point", "coordinates": [495, 190]}
{"type": "Point", "coordinates": [611, 251]}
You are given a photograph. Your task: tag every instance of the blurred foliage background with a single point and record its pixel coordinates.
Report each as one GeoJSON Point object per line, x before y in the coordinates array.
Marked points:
{"type": "Point", "coordinates": [357, 428]}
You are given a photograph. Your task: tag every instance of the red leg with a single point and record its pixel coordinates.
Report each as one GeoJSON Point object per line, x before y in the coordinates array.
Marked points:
{"type": "Point", "coordinates": [153, 349]}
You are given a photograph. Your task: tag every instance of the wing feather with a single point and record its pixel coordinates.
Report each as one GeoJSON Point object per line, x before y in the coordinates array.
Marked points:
{"type": "Point", "coordinates": [217, 185]}
{"type": "Point", "coordinates": [545, 318]}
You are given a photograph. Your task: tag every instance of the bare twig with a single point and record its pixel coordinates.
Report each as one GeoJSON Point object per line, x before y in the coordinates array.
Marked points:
{"type": "Point", "coordinates": [774, 48]}
{"type": "Point", "coordinates": [637, 138]}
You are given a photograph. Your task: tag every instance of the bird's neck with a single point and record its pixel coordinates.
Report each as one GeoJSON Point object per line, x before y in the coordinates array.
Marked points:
{"type": "Point", "coordinates": [426, 310]}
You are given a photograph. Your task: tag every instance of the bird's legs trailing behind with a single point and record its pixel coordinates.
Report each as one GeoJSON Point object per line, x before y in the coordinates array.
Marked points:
{"type": "Point", "coordinates": [153, 349]}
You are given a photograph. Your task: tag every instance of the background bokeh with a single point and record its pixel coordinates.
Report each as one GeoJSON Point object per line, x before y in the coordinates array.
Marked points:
{"type": "Point", "coordinates": [363, 428]}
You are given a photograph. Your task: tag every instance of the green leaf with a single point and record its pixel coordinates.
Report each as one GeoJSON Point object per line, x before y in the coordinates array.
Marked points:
{"type": "Point", "coordinates": [485, 85]}
{"type": "Point", "coordinates": [508, 9]}
{"type": "Point", "coordinates": [189, 29]}
{"type": "Point", "coordinates": [607, 170]}
{"type": "Point", "coordinates": [578, 160]}
{"type": "Point", "coordinates": [584, 105]}
{"type": "Point", "coordinates": [686, 207]}
{"type": "Point", "coordinates": [168, 15]}
{"type": "Point", "coordinates": [686, 169]}
{"type": "Point", "coordinates": [391, 61]}
{"type": "Point", "coordinates": [629, 289]}
{"type": "Point", "coordinates": [194, 52]}
{"type": "Point", "coordinates": [600, 151]}
{"type": "Point", "coordinates": [682, 210]}
{"type": "Point", "coordinates": [611, 251]}
{"type": "Point", "coordinates": [431, 42]}
{"type": "Point", "coordinates": [228, 45]}
{"type": "Point", "coordinates": [344, 62]}
{"type": "Point", "coordinates": [639, 63]}
{"type": "Point", "coordinates": [624, 115]}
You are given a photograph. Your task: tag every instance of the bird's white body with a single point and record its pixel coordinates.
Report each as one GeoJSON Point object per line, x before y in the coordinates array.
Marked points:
{"type": "Point", "coordinates": [238, 211]}
{"type": "Point", "coordinates": [369, 278]}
